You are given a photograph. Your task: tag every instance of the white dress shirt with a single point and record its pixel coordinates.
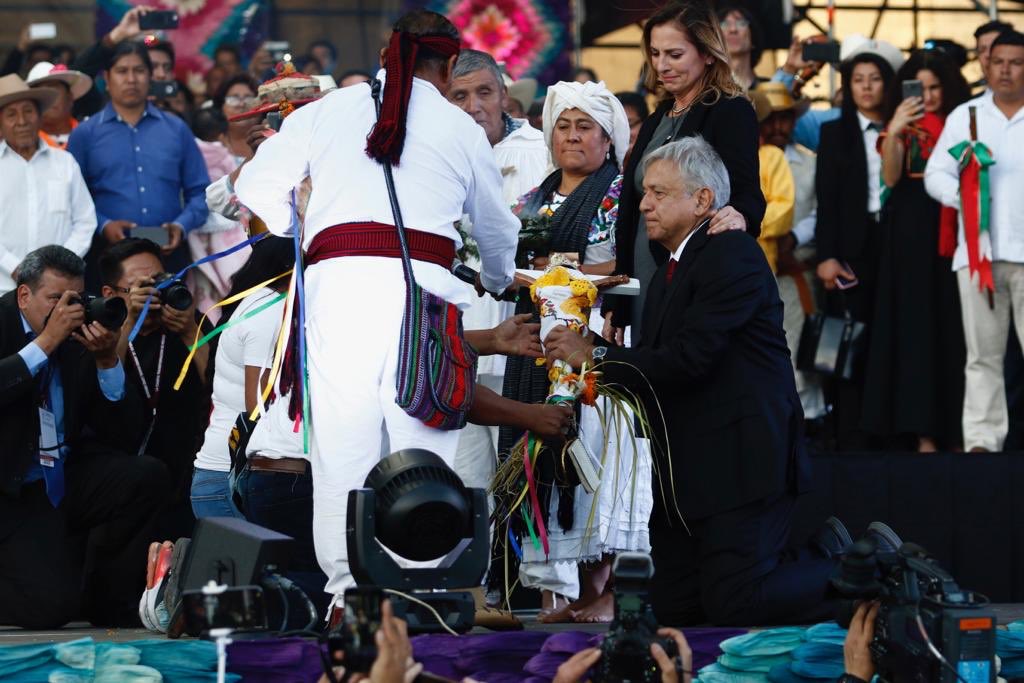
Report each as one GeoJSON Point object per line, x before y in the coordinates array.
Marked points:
{"type": "Point", "coordinates": [42, 201]}
{"type": "Point", "coordinates": [447, 169]}
{"type": "Point", "coordinates": [874, 163]}
{"type": "Point", "coordinates": [1005, 139]}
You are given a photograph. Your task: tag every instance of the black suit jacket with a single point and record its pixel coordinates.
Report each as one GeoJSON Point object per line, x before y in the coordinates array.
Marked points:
{"type": "Point", "coordinates": [715, 355]}
{"type": "Point", "coordinates": [842, 187]}
{"type": "Point", "coordinates": [730, 126]}
{"type": "Point", "coordinates": [89, 418]}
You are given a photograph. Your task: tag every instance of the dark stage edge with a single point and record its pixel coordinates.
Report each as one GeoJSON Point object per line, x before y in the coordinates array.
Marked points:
{"type": "Point", "coordinates": [13, 636]}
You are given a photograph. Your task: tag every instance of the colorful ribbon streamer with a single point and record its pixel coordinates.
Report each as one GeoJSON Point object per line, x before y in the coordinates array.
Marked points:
{"type": "Point", "coordinates": [531, 484]}
{"type": "Point", "coordinates": [974, 159]}
{"type": "Point", "coordinates": [197, 342]}
{"type": "Point", "coordinates": [177, 276]}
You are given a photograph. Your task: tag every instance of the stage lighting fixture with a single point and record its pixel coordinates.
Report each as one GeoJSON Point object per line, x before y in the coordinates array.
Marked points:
{"type": "Point", "coordinates": [416, 507]}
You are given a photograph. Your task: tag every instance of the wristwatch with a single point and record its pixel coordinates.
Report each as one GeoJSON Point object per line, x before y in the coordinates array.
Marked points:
{"type": "Point", "coordinates": [598, 354]}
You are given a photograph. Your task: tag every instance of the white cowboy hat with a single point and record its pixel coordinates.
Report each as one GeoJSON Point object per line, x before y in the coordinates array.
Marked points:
{"type": "Point", "coordinates": [13, 89]}
{"type": "Point", "coordinates": [44, 72]}
{"type": "Point", "coordinates": [858, 44]}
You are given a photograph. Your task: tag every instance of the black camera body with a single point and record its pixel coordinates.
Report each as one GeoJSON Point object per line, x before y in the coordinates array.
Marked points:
{"type": "Point", "coordinates": [176, 294]}
{"type": "Point", "coordinates": [922, 611]}
{"type": "Point", "coordinates": [355, 635]}
{"type": "Point", "coordinates": [110, 312]}
{"type": "Point", "coordinates": [237, 608]}
{"type": "Point", "coordinates": [626, 649]}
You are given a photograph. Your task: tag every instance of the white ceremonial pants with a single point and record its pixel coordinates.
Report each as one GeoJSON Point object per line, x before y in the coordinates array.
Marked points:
{"type": "Point", "coordinates": [985, 419]}
{"type": "Point", "coordinates": [353, 323]}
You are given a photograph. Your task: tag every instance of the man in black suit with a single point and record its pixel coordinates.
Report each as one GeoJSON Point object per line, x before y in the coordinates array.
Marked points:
{"type": "Point", "coordinates": [63, 399]}
{"type": "Point", "coordinates": [727, 435]}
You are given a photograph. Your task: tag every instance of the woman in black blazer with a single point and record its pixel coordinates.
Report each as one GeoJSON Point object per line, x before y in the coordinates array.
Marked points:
{"type": "Point", "coordinates": [687, 62]}
{"type": "Point", "coordinates": [848, 235]}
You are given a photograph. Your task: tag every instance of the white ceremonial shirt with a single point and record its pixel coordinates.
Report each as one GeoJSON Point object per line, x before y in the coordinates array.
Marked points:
{"type": "Point", "coordinates": [42, 201]}
{"type": "Point", "coordinates": [524, 161]}
{"type": "Point", "coordinates": [874, 162]}
{"type": "Point", "coordinates": [447, 169]}
{"type": "Point", "coordinates": [1005, 139]}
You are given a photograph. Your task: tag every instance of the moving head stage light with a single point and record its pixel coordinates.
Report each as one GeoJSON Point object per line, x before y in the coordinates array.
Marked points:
{"type": "Point", "coordinates": [415, 506]}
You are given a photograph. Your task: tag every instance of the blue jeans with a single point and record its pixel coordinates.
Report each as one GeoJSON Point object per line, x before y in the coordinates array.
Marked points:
{"type": "Point", "coordinates": [283, 502]}
{"type": "Point", "coordinates": [211, 496]}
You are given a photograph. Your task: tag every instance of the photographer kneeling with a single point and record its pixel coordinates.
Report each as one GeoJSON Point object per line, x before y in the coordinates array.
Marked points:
{"type": "Point", "coordinates": [66, 409]}
{"type": "Point", "coordinates": [173, 424]}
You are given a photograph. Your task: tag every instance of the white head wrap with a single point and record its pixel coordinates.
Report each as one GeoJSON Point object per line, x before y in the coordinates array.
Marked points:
{"type": "Point", "coordinates": [595, 100]}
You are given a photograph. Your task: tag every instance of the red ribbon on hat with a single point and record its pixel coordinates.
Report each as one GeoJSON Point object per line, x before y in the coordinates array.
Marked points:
{"type": "Point", "coordinates": [387, 138]}
{"type": "Point", "coordinates": [58, 68]}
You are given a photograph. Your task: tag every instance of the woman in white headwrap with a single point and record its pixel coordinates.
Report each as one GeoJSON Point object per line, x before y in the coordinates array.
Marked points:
{"type": "Point", "coordinates": [588, 133]}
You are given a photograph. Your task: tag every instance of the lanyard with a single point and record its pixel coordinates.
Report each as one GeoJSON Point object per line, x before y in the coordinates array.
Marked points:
{"type": "Point", "coordinates": [152, 397]}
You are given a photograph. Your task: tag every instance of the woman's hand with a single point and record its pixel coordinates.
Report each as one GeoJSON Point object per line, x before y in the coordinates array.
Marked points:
{"type": "Point", "coordinates": [727, 218]}
{"type": "Point", "coordinates": [910, 110]}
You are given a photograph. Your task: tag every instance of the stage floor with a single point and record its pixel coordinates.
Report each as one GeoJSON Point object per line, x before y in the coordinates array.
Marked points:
{"type": "Point", "coordinates": [1005, 613]}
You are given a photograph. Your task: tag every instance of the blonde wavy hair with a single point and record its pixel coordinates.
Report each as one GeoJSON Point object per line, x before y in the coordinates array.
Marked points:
{"type": "Point", "coordinates": [698, 21]}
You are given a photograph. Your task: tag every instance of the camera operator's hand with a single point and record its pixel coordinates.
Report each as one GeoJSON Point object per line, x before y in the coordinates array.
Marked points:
{"type": "Point", "coordinates": [394, 663]}
{"type": "Point", "coordinates": [100, 342]}
{"type": "Point", "coordinates": [174, 233]}
{"type": "Point", "coordinates": [139, 290]}
{"type": "Point", "coordinates": [576, 667]}
{"type": "Point", "coordinates": [856, 655]}
{"type": "Point", "coordinates": [677, 669]}
{"type": "Point", "coordinates": [66, 317]}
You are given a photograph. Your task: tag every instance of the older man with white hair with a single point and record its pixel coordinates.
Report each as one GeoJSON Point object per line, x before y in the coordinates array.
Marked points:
{"type": "Point", "coordinates": [714, 373]}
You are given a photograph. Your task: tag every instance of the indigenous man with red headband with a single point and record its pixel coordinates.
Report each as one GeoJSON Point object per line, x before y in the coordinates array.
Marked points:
{"type": "Point", "coordinates": [443, 168]}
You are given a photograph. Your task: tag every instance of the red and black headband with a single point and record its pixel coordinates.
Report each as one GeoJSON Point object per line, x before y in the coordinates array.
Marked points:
{"type": "Point", "coordinates": [387, 138]}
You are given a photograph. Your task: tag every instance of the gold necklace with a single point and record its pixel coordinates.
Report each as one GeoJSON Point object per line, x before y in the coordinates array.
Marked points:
{"type": "Point", "coordinates": [680, 110]}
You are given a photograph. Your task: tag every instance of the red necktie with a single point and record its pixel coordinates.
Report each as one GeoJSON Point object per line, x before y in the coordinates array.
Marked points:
{"type": "Point", "coordinates": [671, 271]}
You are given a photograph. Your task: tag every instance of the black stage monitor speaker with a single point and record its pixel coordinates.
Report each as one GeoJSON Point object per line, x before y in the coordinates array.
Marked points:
{"type": "Point", "coordinates": [234, 552]}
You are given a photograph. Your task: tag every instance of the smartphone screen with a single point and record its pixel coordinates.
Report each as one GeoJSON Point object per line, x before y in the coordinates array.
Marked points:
{"type": "Point", "coordinates": [913, 89]}
{"type": "Point", "coordinates": [157, 234]}
{"type": "Point", "coordinates": [826, 52]}
{"type": "Point", "coordinates": [44, 31]}
{"type": "Point", "coordinates": [158, 19]}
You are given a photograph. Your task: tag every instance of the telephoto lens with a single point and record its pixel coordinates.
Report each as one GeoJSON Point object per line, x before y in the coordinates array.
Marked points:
{"type": "Point", "coordinates": [109, 312]}
{"type": "Point", "coordinates": [176, 294]}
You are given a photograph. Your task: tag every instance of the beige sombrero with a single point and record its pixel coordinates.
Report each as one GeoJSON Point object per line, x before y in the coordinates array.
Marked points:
{"type": "Point", "coordinates": [13, 89]}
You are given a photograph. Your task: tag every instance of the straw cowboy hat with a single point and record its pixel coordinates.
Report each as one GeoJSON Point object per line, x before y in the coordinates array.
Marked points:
{"type": "Point", "coordinates": [13, 89]}
{"type": "Point", "coordinates": [45, 72]}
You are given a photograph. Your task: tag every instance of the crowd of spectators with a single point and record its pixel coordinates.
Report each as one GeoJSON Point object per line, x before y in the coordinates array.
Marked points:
{"type": "Point", "coordinates": [854, 208]}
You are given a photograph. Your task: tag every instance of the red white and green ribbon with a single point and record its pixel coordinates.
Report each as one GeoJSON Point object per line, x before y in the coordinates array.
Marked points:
{"type": "Point", "coordinates": [975, 159]}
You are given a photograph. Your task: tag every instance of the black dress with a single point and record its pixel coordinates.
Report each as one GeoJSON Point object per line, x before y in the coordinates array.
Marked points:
{"type": "Point", "coordinates": [914, 382]}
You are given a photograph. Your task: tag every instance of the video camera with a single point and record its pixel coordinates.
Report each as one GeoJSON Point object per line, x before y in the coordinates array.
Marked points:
{"type": "Point", "coordinates": [928, 628]}
{"type": "Point", "coordinates": [626, 649]}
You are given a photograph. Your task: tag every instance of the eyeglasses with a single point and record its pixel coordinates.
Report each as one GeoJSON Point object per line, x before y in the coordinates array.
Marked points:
{"type": "Point", "coordinates": [122, 290]}
{"type": "Point", "coordinates": [727, 24]}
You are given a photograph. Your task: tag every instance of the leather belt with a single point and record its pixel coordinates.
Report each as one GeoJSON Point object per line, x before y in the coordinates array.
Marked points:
{"type": "Point", "coordinates": [259, 463]}
{"type": "Point", "coordinates": [379, 239]}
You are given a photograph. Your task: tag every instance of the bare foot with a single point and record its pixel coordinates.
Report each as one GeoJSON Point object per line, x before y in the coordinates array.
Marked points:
{"type": "Point", "coordinates": [598, 612]}
{"type": "Point", "coordinates": [926, 444]}
{"type": "Point", "coordinates": [557, 615]}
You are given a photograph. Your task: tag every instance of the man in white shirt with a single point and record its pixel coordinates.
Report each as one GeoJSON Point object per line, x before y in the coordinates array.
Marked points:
{"type": "Point", "coordinates": [1000, 126]}
{"type": "Point", "coordinates": [523, 158]}
{"type": "Point", "coordinates": [43, 198]}
{"type": "Point", "coordinates": [444, 167]}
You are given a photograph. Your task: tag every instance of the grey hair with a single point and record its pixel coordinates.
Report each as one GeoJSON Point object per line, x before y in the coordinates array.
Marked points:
{"type": "Point", "coordinates": [698, 164]}
{"type": "Point", "coordinates": [470, 61]}
{"type": "Point", "coordinates": [50, 257]}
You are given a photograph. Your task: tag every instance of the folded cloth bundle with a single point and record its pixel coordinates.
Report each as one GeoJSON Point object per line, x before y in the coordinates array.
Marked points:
{"type": "Point", "coordinates": [716, 673]}
{"type": "Point", "coordinates": [756, 664]}
{"type": "Point", "coordinates": [827, 632]}
{"type": "Point", "coordinates": [1010, 649]}
{"type": "Point", "coordinates": [818, 660]}
{"type": "Point", "coordinates": [773, 641]}
{"type": "Point", "coordinates": [784, 674]}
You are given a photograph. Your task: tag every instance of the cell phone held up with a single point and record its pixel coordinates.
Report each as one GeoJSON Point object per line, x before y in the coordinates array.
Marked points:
{"type": "Point", "coordinates": [158, 20]}
{"type": "Point", "coordinates": [826, 52]}
{"type": "Point", "coordinates": [913, 88]}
